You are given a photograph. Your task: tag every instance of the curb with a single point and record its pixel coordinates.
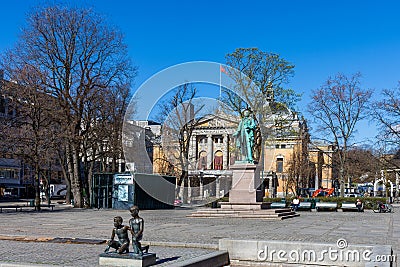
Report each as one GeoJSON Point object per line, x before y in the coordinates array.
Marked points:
{"type": "Point", "coordinates": [215, 259]}
{"type": "Point", "coordinates": [181, 245]}
{"type": "Point", "coordinates": [67, 240]}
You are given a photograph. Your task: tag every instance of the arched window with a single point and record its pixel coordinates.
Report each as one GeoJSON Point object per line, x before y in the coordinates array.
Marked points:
{"type": "Point", "coordinates": [218, 160]}
{"type": "Point", "coordinates": [202, 160]}
{"type": "Point", "coordinates": [279, 165]}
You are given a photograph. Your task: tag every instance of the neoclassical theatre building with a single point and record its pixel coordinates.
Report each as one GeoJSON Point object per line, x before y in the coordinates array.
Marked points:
{"type": "Point", "coordinates": [289, 160]}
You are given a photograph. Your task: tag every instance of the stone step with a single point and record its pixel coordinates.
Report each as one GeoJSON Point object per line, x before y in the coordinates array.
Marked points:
{"type": "Point", "coordinates": [245, 213]}
{"type": "Point", "coordinates": [261, 217]}
{"type": "Point", "coordinates": [226, 211]}
{"type": "Point", "coordinates": [260, 214]}
{"type": "Point", "coordinates": [230, 211]}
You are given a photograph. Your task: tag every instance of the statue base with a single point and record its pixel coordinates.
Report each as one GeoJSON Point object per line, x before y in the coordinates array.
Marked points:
{"type": "Point", "coordinates": [127, 259]}
{"type": "Point", "coordinates": [244, 183]}
{"type": "Point", "coordinates": [245, 201]}
{"type": "Point", "coordinates": [243, 195]}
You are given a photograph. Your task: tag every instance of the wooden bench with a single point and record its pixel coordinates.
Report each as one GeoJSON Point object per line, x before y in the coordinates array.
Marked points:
{"type": "Point", "coordinates": [328, 206]}
{"type": "Point", "coordinates": [278, 205]}
{"type": "Point", "coordinates": [350, 206]}
{"type": "Point", "coordinates": [304, 206]}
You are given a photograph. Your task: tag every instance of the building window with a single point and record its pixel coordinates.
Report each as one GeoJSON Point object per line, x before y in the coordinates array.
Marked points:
{"type": "Point", "coordinates": [279, 165]}
{"type": "Point", "coordinates": [283, 146]}
{"type": "Point", "coordinates": [276, 146]}
{"type": "Point", "coordinates": [8, 174]}
{"type": "Point", "coordinates": [218, 140]}
{"type": "Point", "coordinates": [202, 160]}
{"type": "Point", "coordinates": [203, 140]}
{"type": "Point", "coordinates": [218, 160]}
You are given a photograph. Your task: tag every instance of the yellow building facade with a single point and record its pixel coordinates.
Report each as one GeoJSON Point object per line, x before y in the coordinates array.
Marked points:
{"type": "Point", "coordinates": [289, 161]}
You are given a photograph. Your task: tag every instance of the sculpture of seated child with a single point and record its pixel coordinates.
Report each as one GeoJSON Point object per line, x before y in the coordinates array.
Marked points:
{"type": "Point", "coordinates": [122, 244]}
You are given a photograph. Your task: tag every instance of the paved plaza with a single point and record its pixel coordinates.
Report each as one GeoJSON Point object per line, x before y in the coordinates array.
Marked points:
{"type": "Point", "coordinates": [173, 236]}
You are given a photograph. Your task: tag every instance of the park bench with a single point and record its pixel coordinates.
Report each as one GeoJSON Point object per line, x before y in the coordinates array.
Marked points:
{"type": "Point", "coordinates": [278, 205]}
{"type": "Point", "coordinates": [328, 206]}
{"type": "Point", "coordinates": [304, 206]}
{"type": "Point", "coordinates": [16, 207]}
{"type": "Point", "coordinates": [21, 207]}
{"type": "Point", "coordinates": [48, 206]}
{"type": "Point", "coordinates": [350, 206]}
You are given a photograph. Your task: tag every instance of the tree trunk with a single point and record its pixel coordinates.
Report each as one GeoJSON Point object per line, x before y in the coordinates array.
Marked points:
{"type": "Point", "coordinates": [342, 182]}
{"type": "Point", "coordinates": [76, 181]}
{"type": "Point", "coordinates": [68, 194]}
{"type": "Point", "coordinates": [89, 184]}
{"type": "Point", "coordinates": [37, 188]}
{"type": "Point", "coordinates": [70, 172]}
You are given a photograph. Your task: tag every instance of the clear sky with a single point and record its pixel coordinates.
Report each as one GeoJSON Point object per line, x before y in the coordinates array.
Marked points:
{"type": "Point", "coordinates": [320, 37]}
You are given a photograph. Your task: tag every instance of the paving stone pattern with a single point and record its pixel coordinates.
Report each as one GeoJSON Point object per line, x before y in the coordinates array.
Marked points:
{"type": "Point", "coordinates": [172, 228]}
{"type": "Point", "coordinates": [73, 255]}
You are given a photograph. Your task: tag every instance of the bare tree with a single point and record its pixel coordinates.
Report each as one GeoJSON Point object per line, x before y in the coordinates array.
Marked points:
{"type": "Point", "coordinates": [180, 116]}
{"type": "Point", "coordinates": [387, 113]}
{"type": "Point", "coordinates": [31, 131]}
{"type": "Point", "coordinates": [336, 107]}
{"type": "Point", "coordinates": [362, 165]}
{"type": "Point", "coordinates": [80, 58]}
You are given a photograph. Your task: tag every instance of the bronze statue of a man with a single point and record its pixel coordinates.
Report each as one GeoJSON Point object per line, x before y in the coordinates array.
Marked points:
{"type": "Point", "coordinates": [122, 244]}
{"type": "Point", "coordinates": [136, 224]}
{"type": "Point", "coordinates": [245, 137]}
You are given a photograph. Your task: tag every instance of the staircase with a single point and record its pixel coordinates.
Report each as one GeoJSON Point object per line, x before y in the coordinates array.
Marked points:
{"type": "Point", "coordinates": [266, 214]}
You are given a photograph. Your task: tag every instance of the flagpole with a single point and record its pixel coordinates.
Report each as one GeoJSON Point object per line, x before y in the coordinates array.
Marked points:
{"type": "Point", "coordinates": [220, 87]}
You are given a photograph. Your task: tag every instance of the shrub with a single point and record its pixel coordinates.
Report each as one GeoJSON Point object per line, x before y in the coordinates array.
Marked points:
{"type": "Point", "coordinates": [369, 202]}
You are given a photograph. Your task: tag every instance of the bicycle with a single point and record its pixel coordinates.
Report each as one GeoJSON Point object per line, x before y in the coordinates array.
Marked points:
{"type": "Point", "coordinates": [381, 207]}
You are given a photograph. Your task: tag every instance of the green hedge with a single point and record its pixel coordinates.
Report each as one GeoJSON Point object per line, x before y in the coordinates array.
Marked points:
{"type": "Point", "coordinates": [369, 202]}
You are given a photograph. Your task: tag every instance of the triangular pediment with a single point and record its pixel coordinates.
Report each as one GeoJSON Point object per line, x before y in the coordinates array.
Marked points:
{"type": "Point", "coordinates": [218, 121]}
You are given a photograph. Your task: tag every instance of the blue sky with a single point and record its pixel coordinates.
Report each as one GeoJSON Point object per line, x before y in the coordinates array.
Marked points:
{"type": "Point", "coordinates": [321, 38]}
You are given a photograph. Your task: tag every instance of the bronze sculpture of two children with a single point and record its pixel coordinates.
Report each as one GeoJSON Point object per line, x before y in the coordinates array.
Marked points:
{"type": "Point", "coordinates": [136, 226]}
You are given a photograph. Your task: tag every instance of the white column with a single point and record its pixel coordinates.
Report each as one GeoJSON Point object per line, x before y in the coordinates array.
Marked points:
{"type": "Point", "coordinates": [376, 187]}
{"type": "Point", "coordinates": [201, 186]}
{"type": "Point", "coordinates": [225, 149]}
{"type": "Point", "coordinates": [316, 177]}
{"type": "Point", "coordinates": [192, 150]}
{"type": "Point", "coordinates": [217, 186]}
{"type": "Point", "coordinates": [189, 191]}
{"type": "Point", "coordinates": [209, 151]}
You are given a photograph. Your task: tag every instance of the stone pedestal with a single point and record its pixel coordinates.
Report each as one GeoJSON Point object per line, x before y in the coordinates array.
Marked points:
{"type": "Point", "coordinates": [128, 259]}
{"type": "Point", "coordinates": [243, 183]}
{"type": "Point", "coordinates": [243, 194]}
{"type": "Point", "coordinates": [244, 200]}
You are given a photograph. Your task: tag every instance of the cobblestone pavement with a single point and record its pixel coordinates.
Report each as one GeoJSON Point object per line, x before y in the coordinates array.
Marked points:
{"type": "Point", "coordinates": [175, 229]}
{"type": "Point", "coordinates": [73, 255]}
